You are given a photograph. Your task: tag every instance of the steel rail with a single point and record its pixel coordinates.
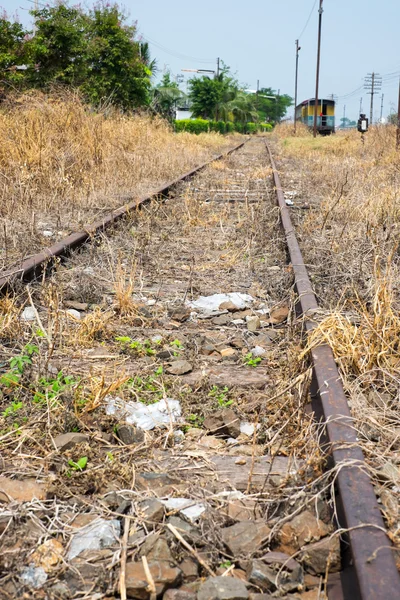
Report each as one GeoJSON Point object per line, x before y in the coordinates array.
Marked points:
{"type": "Point", "coordinates": [369, 565]}
{"type": "Point", "coordinates": [34, 266]}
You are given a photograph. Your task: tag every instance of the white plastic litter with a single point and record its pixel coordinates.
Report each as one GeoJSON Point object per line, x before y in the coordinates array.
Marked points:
{"type": "Point", "coordinates": [151, 302]}
{"type": "Point", "coordinates": [193, 510]}
{"type": "Point", "coordinates": [144, 416]}
{"type": "Point", "coordinates": [33, 576]}
{"type": "Point", "coordinates": [238, 321]}
{"type": "Point", "coordinates": [95, 536]}
{"type": "Point", "coordinates": [157, 338]}
{"type": "Point", "coordinates": [28, 314]}
{"type": "Point", "coordinates": [247, 428]}
{"type": "Point", "coordinates": [258, 351]}
{"type": "Point", "coordinates": [47, 233]}
{"type": "Point", "coordinates": [212, 303]}
{"type": "Point", "coordinates": [289, 202]}
{"type": "Point", "coordinates": [231, 495]}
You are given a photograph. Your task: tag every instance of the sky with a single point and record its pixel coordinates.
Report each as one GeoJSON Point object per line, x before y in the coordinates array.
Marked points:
{"type": "Point", "coordinates": [257, 40]}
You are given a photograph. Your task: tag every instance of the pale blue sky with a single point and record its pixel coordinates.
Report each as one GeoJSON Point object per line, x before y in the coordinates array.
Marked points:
{"type": "Point", "coordinates": [257, 40]}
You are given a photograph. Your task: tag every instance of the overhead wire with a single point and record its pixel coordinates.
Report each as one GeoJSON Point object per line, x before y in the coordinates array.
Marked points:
{"type": "Point", "coordinates": [308, 20]}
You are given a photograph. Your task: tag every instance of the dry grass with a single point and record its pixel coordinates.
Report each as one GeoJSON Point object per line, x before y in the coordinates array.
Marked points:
{"type": "Point", "coordinates": [63, 166]}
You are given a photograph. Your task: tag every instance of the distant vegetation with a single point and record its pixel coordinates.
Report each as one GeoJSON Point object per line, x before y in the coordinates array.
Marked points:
{"type": "Point", "coordinates": [97, 52]}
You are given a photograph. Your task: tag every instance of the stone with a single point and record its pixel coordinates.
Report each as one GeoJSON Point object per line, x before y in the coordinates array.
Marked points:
{"type": "Point", "coordinates": [223, 588]}
{"type": "Point", "coordinates": [221, 320]}
{"type": "Point", "coordinates": [228, 375]}
{"type": "Point", "coordinates": [223, 422]}
{"type": "Point", "coordinates": [97, 535]}
{"type": "Point", "coordinates": [48, 554]}
{"type": "Point", "coordinates": [207, 349]}
{"type": "Point", "coordinates": [164, 577]}
{"type": "Point", "coordinates": [238, 342]}
{"type": "Point", "coordinates": [258, 351]}
{"type": "Point", "coordinates": [66, 441]}
{"type": "Point", "coordinates": [28, 314]}
{"type": "Point", "coordinates": [311, 581]}
{"type": "Point", "coordinates": [228, 352]}
{"type": "Point", "coordinates": [302, 529]}
{"type": "Point", "coordinates": [318, 556]}
{"type": "Point", "coordinates": [179, 594]}
{"type": "Point", "coordinates": [128, 434]}
{"type": "Point", "coordinates": [152, 510]}
{"type": "Point", "coordinates": [261, 597]}
{"type": "Point", "coordinates": [243, 510]}
{"type": "Point", "coordinates": [180, 313]}
{"type": "Point", "coordinates": [265, 339]}
{"type": "Point", "coordinates": [245, 537]}
{"type": "Point", "coordinates": [21, 490]}
{"type": "Point", "coordinates": [262, 576]}
{"type": "Point", "coordinates": [75, 314]}
{"type": "Point", "coordinates": [83, 519]}
{"type": "Point", "coordinates": [187, 531]}
{"type": "Point", "coordinates": [155, 481]}
{"type": "Point", "coordinates": [212, 442]}
{"type": "Point", "coordinates": [278, 315]}
{"type": "Point", "coordinates": [253, 323]}
{"type": "Point", "coordinates": [159, 551]}
{"type": "Point", "coordinates": [190, 569]}
{"type": "Point", "coordinates": [179, 367]}
{"type": "Point", "coordinates": [229, 306]}
{"type": "Point", "coordinates": [287, 573]}
{"type": "Point", "coordinates": [165, 354]}
{"type": "Point", "coordinates": [82, 306]}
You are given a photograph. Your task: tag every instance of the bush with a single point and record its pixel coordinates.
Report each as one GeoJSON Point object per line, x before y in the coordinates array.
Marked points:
{"type": "Point", "coordinates": [192, 125]}
{"type": "Point", "coordinates": [266, 127]}
{"type": "Point", "coordinates": [251, 128]}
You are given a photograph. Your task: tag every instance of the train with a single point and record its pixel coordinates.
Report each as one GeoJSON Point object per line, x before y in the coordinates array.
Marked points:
{"type": "Point", "coordinates": [326, 115]}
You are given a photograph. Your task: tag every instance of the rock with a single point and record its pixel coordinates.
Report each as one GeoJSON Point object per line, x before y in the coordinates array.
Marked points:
{"type": "Point", "coordinates": [190, 569]}
{"type": "Point", "coordinates": [311, 581]}
{"type": "Point", "coordinates": [262, 576]}
{"type": "Point", "coordinates": [130, 435]}
{"type": "Point", "coordinates": [302, 529]}
{"type": "Point", "coordinates": [258, 351]}
{"type": "Point", "coordinates": [223, 422]}
{"type": "Point", "coordinates": [207, 349]}
{"type": "Point", "coordinates": [243, 510]}
{"type": "Point", "coordinates": [319, 555]}
{"type": "Point", "coordinates": [229, 306]}
{"type": "Point", "coordinates": [96, 535]}
{"type": "Point", "coordinates": [278, 315]}
{"type": "Point", "coordinates": [245, 537]}
{"type": "Point", "coordinates": [83, 519]}
{"type": "Point", "coordinates": [152, 510]}
{"type": "Point", "coordinates": [82, 306]}
{"type": "Point", "coordinates": [287, 573]}
{"type": "Point", "coordinates": [165, 354]}
{"type": "Point", "coordinates": [223, 588]}
{"type": "Point", "coordinates": [211, 442]}
{"type": "Point", "coordinates": [159, 551]}
{"type": "Point", "coordinates": [179, 594]}
{"type": "Point", "coordinates": [187, 531]}
{"type": "Point", "coordinates": [228, 375]}
{"type": "Point", "coordinates": [66, 441]}
{"type": "Point", "coordinates": [238, 342]}
{"type": "Point", "coordinates": [179, 367]}
{"type": "Point", "coordinates": [48, 554]}
{"type": "Point", "coordinates": [253, 323]}
{"type": "Point", "coordinates": [262, 597]}
{"type": "Point", "coordinates": [33, 576]}
{"type": "Point", "coordinates": [21, 490]}
{"type": "Point", "coordinates": [228, 353]}
{"type": "Point", "coordinates": [154, 481]}
{"type": "Point", "coordinates": [74, 313]}
{"type": "Point", "coordinates": [237, 322]}
{"type": "Point", "coordinates": [179, 313]}
{"type": "Point", "coordinates": [163, 574]}
{"type": "Point", "coordinates": [221, 320]}
{"type": "Point", "coordinates": [265, 339]}
{"type": "Point", "coordinates": [28, 314]}
{"type": "Point", "coordinates": [60, 590]}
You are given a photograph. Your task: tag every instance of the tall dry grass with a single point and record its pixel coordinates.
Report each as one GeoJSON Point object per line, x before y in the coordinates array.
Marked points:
{"type": "Point", "coordinates": [62, 166]}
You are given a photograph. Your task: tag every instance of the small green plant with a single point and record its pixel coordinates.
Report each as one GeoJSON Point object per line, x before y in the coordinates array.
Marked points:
{"type": "Point", "coordinates": [225, 565]}
{"type": "Point", "coordinates": [53, 387]}
{"type": "Point", "coordinates": [79, 465]}
{"type": "Point", "coordinates": [177, 344]}
{"type": "Point", "coordinates": [12, 409]}
{"type": "Point", "coordinates": [220, 396]}
{"type": "Point", "coordinates": [250, 360]}
{"type": "Point", "coordinates": [140, 348]}
{"type": "Point", "coordinates": [17, 366]}
{"type": "Point", "coordinates": [195, 420]}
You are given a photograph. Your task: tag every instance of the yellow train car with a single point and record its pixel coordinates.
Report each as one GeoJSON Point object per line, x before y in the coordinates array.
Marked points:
{"type": "Point", "coordinates": [325, 112]}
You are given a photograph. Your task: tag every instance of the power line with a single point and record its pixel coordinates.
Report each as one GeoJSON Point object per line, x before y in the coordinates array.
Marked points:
{"type": "Point", "coordinates": [175, 54]}
{"type": "Point", "coordinates": [308, 20]}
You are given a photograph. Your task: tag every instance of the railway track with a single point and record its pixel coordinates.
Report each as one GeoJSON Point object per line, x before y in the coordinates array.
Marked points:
{"type": "Point", "coordinates": [240, 482]}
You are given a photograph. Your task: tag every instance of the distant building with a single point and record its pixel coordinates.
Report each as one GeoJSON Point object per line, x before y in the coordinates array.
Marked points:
{"type": "Point", "coordinates": [183, 112]}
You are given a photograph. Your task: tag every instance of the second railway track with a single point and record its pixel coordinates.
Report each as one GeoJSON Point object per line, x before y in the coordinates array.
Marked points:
{"type": "Point", "coordinates": [132, 323]}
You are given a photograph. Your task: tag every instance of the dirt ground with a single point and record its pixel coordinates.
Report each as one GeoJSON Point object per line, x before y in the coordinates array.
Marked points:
{"type": "Point", "coordinates": [223, 494]}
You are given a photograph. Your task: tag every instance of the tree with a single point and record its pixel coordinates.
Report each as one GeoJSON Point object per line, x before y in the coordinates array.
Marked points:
{"type": "Point", "coordinates": [272, 109]}
{"type": "Point", "coordinates": [165, 97]}
{"type": "Point", "coordinates": [206, 96]}
{"type": "Point", "coordinates": [12, 37]}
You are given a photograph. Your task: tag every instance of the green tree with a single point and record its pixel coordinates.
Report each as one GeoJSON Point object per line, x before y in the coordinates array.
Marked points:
{"type": "Point", "coordinates": [59, 47]}
{"type": "Point", "coordinates": [116, 71]}
{"type": "Point", "coordinates": [166, 96]}
{"type": "Point", "coordinates": [12, 37]}
{"type": "Point", "coordinates": [272, 109]}
{"type": "Point", "coordinates": [206, 96]}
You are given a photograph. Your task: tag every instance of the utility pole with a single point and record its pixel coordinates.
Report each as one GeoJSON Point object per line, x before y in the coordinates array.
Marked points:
{"type": "Point", "coordinates": [320, 11]}
{"type": "Point", "coordinates": [295, 81]}
{"type": "Point", "coordinates": [383, 95]}
{"type": "Point", "coordinates": [373, 85]}
{"type": "Point", "coordinates": [276, 106]}
{"type": "Point", "coordinates": [217, 67]}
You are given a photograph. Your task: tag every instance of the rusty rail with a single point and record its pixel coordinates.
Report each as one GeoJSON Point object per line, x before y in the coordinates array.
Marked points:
{"type": "Point", "coordinates": [35, 265]}
{"type": "Point", "coordinates": [369, 566]}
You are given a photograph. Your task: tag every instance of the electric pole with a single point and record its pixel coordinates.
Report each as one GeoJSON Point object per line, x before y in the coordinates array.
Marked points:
{"type": "Point", "coordinates": [295, 81]}
{"type": "Point", "coordinates": [320, 11]}
{"type": "Point", "coordinates": [383, 95]}
{"type": "Point", "coordinates": [217, 67]}
{"type": "Point", "coordinates": [373, 85]}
